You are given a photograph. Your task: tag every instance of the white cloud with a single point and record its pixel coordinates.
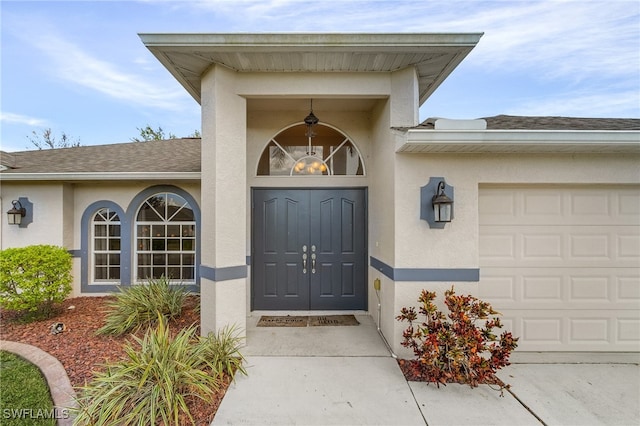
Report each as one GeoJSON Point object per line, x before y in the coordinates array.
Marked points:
{"type": "Point", "coordinates": [70, 62]}
{"type": "Point", "coordinates": [553, 38]}
{"type": "Point", "coordinates": [11, 118]}
{"type": "Point", "coordinates": [581, 46]}
{"type": "Point", "coordinates": [567, 39]}
{"type": "Point", "coordinates": [76, 66]}
{"type": "Point", "coordinates": [580, 104]}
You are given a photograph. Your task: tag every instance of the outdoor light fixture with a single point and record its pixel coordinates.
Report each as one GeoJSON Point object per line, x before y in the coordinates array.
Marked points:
{"type": "Point", "coordinates": [21, 213]}
{"type": "Point", "coordinates": [436, 203]}
{"type": "Point", "coordinates": [310, 164]}
{"type": "Point", "coordinates": [442, 205]}
{"type": "Point", "coordinates": [311, 120]}
{"type": "Point", "coordinates": [16, 213]}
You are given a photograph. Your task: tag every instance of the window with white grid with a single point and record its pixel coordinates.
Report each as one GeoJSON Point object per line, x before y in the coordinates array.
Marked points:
{"type": "Point", "coordinates": [105, 226]}
{"type": "Point", "coordinates": [165, 239]}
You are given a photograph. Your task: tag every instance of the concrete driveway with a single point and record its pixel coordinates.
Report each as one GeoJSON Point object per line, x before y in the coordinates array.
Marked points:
{"type": "Point", "coordinates": [345, 376]}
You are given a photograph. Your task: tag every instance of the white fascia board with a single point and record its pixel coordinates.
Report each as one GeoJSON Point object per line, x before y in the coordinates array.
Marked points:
{"type": "Point", "coordinates": [531, 141]}
{"type": "Point", "coordinates": [290, 42]}
{"type": "Point", "coordinates": [90, 176]}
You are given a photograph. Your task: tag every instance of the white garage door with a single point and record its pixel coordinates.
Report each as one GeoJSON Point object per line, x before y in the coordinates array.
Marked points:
{"type": "Point", "coordinates": [563, 265]}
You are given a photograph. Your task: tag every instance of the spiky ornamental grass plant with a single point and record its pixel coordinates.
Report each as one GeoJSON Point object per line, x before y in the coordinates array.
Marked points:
{"type": "Point", "coordinates": [138, 305]}
{"type": "Point", "coordinates": [154, 381]}
{"type": "Point", "coordinates": [222, 350]}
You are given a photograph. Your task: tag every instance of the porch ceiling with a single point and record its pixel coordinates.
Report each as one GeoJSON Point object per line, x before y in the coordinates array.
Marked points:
{"type": "Point", "coordinates": [435, 56]}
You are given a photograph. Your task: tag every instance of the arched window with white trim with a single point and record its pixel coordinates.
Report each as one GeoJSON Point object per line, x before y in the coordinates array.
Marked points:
{"type": "Point", "coordinates": [106, 247]}
{"type": "Point", "coordinates": [166, 239]}
{"type": "Point", "coordinates": [319, 150]}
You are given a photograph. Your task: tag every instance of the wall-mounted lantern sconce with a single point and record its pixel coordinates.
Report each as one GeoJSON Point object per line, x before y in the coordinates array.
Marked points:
{"type": "Point", "coordinates": [21, 213]}
{"type": "Point", "coordinates": [16, 213]}
{"type": "Point", "coordinates": [442, 205]}
{"type": "Point", "coordinates": [436, 203]}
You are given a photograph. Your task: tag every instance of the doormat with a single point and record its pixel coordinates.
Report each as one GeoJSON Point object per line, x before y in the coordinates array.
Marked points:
{"type": "Point", "coordinates": [304, 321]}
{"type": "Point", "coordinates": [327, 320]}
{"type": "Point", "coordinates": [283, 321]}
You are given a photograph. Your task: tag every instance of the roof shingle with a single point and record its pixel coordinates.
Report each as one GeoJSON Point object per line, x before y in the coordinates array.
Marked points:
{"type": "Point", "coordinates": [173, 155]}
{"type": "Point", "coordinates": [512, 122]}
{"type": "Point", "coordinates": [516, 122]}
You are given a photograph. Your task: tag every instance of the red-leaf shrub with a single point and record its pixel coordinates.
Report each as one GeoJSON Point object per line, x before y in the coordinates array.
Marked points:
{"type": "Point", "coordinates": [453, 348]}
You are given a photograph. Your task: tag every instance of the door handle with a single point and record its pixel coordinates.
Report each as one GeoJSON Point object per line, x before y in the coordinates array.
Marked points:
{"type": "Point", "coordinates": [313, 258]}
{"type": "Point", "coordinates": [304, 259]}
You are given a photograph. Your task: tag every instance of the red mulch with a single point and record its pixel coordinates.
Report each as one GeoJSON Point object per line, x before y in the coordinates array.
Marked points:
{"type": "Point", "coordinates": [81, 352]}
{"type": "Point", "coordinates": [408, 367]}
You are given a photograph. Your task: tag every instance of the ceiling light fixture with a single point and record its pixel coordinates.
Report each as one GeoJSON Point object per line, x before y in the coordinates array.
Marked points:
{"type": "Point", "coordinates": [310, 164]}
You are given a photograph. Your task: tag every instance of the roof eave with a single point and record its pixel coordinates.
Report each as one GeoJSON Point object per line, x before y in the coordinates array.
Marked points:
{"type": "Point", "coordinates": [102, 176]}
{"type": "Point", "coordinates": [163, 45]}
{"type": "Point", "coordinates": [233, 42]}
{"type": "Point", "coordinates": [520, 141]}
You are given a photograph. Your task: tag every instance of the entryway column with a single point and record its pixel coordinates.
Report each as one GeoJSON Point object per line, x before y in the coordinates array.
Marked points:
{"type": "Point", "coordinates": [223, 272]}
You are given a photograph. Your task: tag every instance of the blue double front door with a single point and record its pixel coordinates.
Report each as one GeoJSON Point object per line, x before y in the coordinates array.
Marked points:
{"type": "Point", "coordinates": [309, 249]}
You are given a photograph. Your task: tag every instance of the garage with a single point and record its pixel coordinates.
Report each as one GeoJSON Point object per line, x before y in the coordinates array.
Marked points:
{"type": "Point", "coordinates": [562, 264]}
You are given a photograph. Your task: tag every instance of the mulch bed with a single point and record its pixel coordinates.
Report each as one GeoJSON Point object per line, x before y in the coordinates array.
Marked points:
{"type": "Point", "coordinates": [410, 374]}
{"type": "Point", "coordinates": [81, 352]}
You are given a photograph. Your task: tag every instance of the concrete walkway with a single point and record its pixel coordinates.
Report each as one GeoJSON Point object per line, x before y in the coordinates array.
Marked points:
{"type": "Point", "coordinates": [62, 393]}
{"type": "Point", "coordinates": [351, 380]}
{"type": "Point", "coordinates": [345, 376]}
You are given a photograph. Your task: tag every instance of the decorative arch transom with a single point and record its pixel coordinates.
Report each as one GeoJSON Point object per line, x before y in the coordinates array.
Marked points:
{"type": "Point", "coordinates": [302, 150]}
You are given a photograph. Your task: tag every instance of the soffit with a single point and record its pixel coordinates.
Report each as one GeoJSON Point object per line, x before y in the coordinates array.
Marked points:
{"type": "Point", "coordinates": [435, 56]}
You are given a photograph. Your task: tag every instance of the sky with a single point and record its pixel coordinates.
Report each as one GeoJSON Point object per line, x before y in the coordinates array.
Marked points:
{"type": "Point", "coordinates": [79, 67]}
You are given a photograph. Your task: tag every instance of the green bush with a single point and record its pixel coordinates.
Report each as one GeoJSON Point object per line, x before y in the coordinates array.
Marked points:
{"type": "Point", "coordinates": [152, 383]}
{"type": "Point", "coordinates": [138, 305]}
{"type": "Point", "coordinates": [34, 278]}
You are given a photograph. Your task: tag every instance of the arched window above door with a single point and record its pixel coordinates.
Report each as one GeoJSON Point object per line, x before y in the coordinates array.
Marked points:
{"type": "Point", "coordinates": [327, 152]}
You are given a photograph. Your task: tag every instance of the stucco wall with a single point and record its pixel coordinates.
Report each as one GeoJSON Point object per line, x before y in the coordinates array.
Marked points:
{"type": "Point", "coordinates": [58, 210]}
{"type": "Point", "coordinates": [381, 215]}
{"type": "Point", "coordinates": [457, 245]}
{"type": "Point", "coordinates": [223, 199]}
{"type": "Point", "coordinates": [49, 225]}
{"type": "Point", "coordinates": [334, 84]}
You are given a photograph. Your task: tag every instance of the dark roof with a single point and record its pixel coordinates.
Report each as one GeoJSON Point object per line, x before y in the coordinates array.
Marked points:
{"type": "Point", "coordinates": [515, 122]}
{"type": "Point", "coordinates": [512, 122]}
{"type": "Point", "coordinates": [173, 155]}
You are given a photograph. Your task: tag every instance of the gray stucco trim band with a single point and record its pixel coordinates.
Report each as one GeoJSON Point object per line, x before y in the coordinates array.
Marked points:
{"type": "Point", "coordinates": [426, 274]}
{"type": "Point", "coordinates": [223, 274]}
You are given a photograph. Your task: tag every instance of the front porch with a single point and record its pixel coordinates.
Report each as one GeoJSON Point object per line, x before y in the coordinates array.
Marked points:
{"type": "Point", "coordinates": [346, 341]}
